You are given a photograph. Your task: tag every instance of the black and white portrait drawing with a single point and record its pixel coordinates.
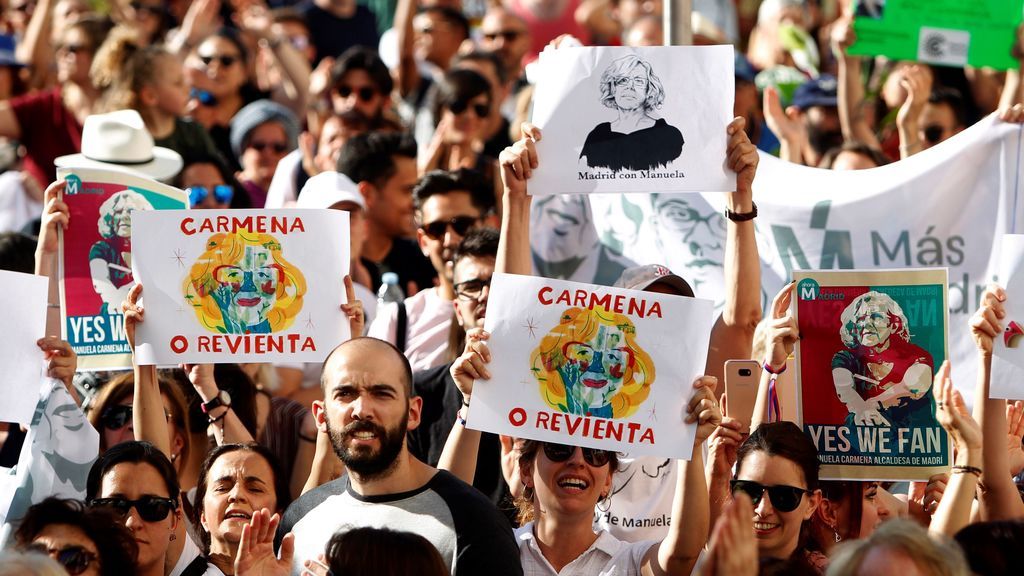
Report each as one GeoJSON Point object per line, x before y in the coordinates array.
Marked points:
{"type": "Point", "coordinates": [636, 139]}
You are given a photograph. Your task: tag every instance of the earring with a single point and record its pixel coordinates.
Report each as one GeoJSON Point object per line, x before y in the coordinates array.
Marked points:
{"type": "Point", "coordinates": [605, 503]}
{"type": "Point", "coordinates": [836, 532]}
{"type": "Point", "coordinates": [173, 536]}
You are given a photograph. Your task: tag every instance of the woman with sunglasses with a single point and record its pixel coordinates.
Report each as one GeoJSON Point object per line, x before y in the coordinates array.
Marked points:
{"type": "Point", "coordinates": [465, 110]}
{"type": "Point", "coordinates": [138, 483]}
{"type": "Point", "coordinates": [85, 541]}
{"type": "Point", "coordinates": [563, 484]}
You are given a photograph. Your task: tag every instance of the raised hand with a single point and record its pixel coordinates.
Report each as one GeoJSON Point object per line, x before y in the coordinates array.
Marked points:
{"type": "Point", "coordinates": [61, 360]}
{"type": "Point", "coordinates": [986, 324]}
{"type": "Point", "coordinates": [742, 155]}
{"type": "Point", "coordinates": [1014, 435]}
{"type": "Point", "coordinates": [472, 364]}
{"type": "Point", "coordinates": [353, 309]}
{"type": "Point", "coordinates": [519, 160]}
{"type": "Point", "coordinates": [733, 547]}
{"type": "Point", "coordinates": [256, 548]}
{"type": "Point", "coordinates": [783, 331]}
{"type": "Point", "coordinates": [952, 413]}
{"type": "Point", "coordinates": [703, 409]}
{"type": "Point", "coordinates": [133, 312]}
{"type": "Point", "coordinates": [55, 217]}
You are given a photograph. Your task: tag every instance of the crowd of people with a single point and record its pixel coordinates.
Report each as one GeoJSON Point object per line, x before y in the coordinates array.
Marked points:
{"type": "Point", "coordinates": [412, 117]}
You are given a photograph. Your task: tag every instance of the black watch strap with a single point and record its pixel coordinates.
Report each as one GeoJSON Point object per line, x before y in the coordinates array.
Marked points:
{"type": "Point", "coordinates": [742, 216]}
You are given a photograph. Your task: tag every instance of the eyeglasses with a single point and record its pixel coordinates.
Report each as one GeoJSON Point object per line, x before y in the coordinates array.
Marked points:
{"type": "Point", "coordinates": [561, 453]}
{"type": "Point", "coordinates": [481, 110]}
{"type": "Point", "coordinates": [933, 133]}
{"type": "Point", "coordinates": [636, 82]}
{"type": "Point", "coordinates": [74, 559]}
{"type": "Point", "coordinates": [225, 60]}
{"type": "Point", "coordinates": [278, 147]}
{"type": "Point", "coordinates": [222, 193]}
{"type": "Point", "coordinates": [365, 94]}
{"type": "Point", "coordinates": [472, 289]}
{"type": "Point", "coordinates": [205, 98]}
{"type": "Point", "coordinates": [459, 224]}
{"type": "Point", "coordinates": [506, 35]}
{"type": "Point", "coordinates": [150, 508]}
{"type": "Point", "coordinates": [784, 498]}
{"type": "Point", "coordinates": [151, 9]}
{"type": "Point", "coordinates": [117, 417]}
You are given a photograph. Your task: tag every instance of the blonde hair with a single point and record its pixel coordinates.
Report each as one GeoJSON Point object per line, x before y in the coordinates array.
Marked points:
{"type": "Point", "coordinates": [133, 199]}
{"type": "Point", "coordinates": [16, 563]}
{"type": "Point", "coordinates": [122, 67]}
{"type": "Point", "coordinates": [228, 249]}
{"type": "Point", "coordinates": [582, 325]}
{"type": "Point", "coordinates": [931, 557]}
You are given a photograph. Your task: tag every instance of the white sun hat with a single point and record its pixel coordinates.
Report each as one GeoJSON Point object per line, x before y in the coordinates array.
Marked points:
{"type": "Point", "coordinates": [119, 141]}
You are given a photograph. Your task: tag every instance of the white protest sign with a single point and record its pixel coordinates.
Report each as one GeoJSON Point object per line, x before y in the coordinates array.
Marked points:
{"type": "Point", "coordinates": [946, 206]}
{"type": "Point", "coordinates": [591, 366]}
{"type": "Point", "coordinates": [1008, 348]}
{"type": "Point", "coordinates": [23, 362]}
{"type": "Point", "coordinates": [240, 285]}
{"type": "Point", "coordinates": [619, 119]}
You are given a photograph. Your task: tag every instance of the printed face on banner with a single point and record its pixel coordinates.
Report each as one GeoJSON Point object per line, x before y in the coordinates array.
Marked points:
{"type": "Point", "coordinates": [96, 259]}
{"type": "Point", "coordinates": [869, 348]}
{"type": "Point", "coordinates": [591, 365]}
{"type": "Point", "coordinates": [242, 284]}
{"type": "Point", "coordinates": [618, 119]}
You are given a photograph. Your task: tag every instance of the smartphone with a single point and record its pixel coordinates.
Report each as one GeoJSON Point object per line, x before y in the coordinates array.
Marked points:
{"type": "Point", "coordinates": [741, 381]}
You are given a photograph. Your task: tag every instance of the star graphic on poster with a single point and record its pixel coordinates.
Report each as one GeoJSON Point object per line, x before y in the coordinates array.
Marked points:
{"type": "Point", "coordinates": [309, 322]}
{"type": "Point", "coordinates": [525, 383]}
{"type": "Point", "coordinates": [179, 257]}
{"type": "Point", "coordinates": [652, 414]}
{"type": "Point", "coordinates": [531, 327]}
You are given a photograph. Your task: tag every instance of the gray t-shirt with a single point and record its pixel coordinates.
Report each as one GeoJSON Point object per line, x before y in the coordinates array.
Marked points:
{"type": "Point", "coordinates": [464, 526]}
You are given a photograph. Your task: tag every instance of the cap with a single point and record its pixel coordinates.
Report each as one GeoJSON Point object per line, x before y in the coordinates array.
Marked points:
{"type": "Point", "coordinates": [327, 189]}
{"type": "Point", "coordinates": [744, 69]}
{"type": "Point", "coordinates": [260, 112]}
{"type": "Point", "coordinates": [820, 91]}
{"type": "Point", "coordinates": [642, 277]}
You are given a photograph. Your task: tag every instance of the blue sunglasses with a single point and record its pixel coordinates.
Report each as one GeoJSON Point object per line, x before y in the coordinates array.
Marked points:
{"type": "Point", "coordinates": [221, 192]}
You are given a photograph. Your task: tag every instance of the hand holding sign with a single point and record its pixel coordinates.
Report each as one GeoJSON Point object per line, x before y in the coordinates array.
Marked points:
{"type": "Point", "coordinates": [472, 364]}
{"type": "Point", "coordinates": [782, 330]}
{"type": "Point", "coordinates": [986, 324]}
{"type": "Point", "coordinates": [134, 314]}
{"type": "Point", "coordinates": [704, 409]}
{"type": "Point", "coordinates": [353, 309]}
{"type": "Point", "coordinates": [55, 217]}
{"type": "Point", "coordinates": [61, 361]}
{"type": "Point", "coordinates": [519, 160]}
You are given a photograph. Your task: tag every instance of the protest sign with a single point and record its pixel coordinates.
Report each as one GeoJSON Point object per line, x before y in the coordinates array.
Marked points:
{"type": "Point", "coordinates": [954, 202]}
{"type": "Point", "coordinates": [591, 366]}
{"type": "Point", "coordinates": [945, 32]}
{"type": "Point", "coordinates": [1008, 350]}
{"type": "Point", "coordinates": [870, 343]}
{"type": "Point", "coordinates": [619, 119]}
{"type": "Point", "coordinates": [25, 317]}
{"type": "Point", "coordinates": [95, 259]}
{"type": "Point", "coordinates": [241, 285]}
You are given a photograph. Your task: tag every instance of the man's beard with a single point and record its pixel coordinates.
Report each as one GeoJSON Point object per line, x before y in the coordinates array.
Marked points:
{"type": "Point", "coordinates": [365, 463]}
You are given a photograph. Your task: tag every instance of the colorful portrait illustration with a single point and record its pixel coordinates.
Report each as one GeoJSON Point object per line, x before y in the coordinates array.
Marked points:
{"type": "Point", "coordinates": [110, 259]}
{"type": "Point", "coordinates": [636, 139]}
{"type": "Point", "coordinates": [590, 364]}
{"type": "Point", "coordinates": [1012, 334]}
{"type": "Point", "coordinates": [882, 377]}
{"type": "Point", "coordinates": [242, 284]}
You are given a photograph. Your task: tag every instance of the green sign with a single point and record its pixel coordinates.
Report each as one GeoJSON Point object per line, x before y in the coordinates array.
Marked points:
{"type": "Point", "coordinates": [944, 32]}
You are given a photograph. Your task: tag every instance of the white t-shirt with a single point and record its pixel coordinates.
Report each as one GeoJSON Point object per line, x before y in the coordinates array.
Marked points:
{"type": "Point", "coordinates": [607, 556]}
{"type": "Point", "coordinates": [189, 553]}
{"type": "Point", "coordinates": [641, 502]}
{"type": "Point", "coordinates": [429, 320]}
{"type": "Point", "coordinates": [282, 192]}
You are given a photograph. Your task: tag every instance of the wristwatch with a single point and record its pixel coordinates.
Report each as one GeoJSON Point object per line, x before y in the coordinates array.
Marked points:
{"type": "Point", "coordinates": [742, 216]}
{"type": "Point", "coordinates": [221, 399]}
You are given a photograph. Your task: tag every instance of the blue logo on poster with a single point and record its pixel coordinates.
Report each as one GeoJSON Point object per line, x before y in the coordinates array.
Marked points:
{"type": "Point", "coordinates": [808, 289]}
{"type": "Point", "coordinates": [74, 185]}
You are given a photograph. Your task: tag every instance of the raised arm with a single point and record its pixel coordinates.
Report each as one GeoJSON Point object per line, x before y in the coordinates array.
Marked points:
{"type": "Point", "coordinates": [1000, 499]}
{"type": "Point", "coordinates": [36, 48]}
{"type": "Point", "coordinates": [1013, 89]}
{"type": "Point", "coordinates": [56, 216]}
{"type": "Point", "coordinates": [786, 126]}
{"type": "Point", "coordinates": [850, 91]}
{"type": "Point", "coordinates": [517, 164]}
{"type": "Point", "coordinates": [917, 81]}
{"type": "Point", "coordinates": [293, 91]}
{"type": "Point", "coordinates": [407, 76]}
{"type": "Point", "coordinates": [460, 451]}
{"type": "Point", "coordinates": [148, 418]}
{"type": "Point", "coordinates": [782, 336]}
{"type": "Point", "coordinates": [226, 425]}
{"type": "Point", "coordinates": [954, 511]}
{"type": "Point", "coordinates": [691, 522]}
{"type": "Point", "coordinates": [733, 333]}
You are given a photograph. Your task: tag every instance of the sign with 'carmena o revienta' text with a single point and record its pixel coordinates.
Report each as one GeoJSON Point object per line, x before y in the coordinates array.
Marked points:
{"type": "Point", "coordinates": [241, 285]}
{"type": "Point", "coordinates": [591, 366]}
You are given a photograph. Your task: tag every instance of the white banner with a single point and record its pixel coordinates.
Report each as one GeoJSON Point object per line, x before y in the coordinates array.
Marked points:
{"type": "Point", "coordinates": [591, 366]}
{"type": "Point", "coordinates": [23, 361]}
{"type": "Point", "coordinates": [948, 206]}
{"type": "Point", "coordinates": [240, 285]}
{"type": "Point", "coordinates": [620, 119]}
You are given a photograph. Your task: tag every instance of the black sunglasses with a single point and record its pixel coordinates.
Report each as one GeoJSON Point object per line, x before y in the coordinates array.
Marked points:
{"type": "Point", "coordinates": [933, 133]}
{"type": "Point", "coordinates": [506, 35]}
{"type": "Point", "coordinates": [278, 147]}
{"type": "Point", "coordinates": [224, 59]}
{"type": "Point", "coordinates": [481, 110]}
{"type": "Point", "coordinates": [151, 508]}
{"type": "Point", "coordinates": [74, 559]}
{"type": "Point", "coordinates": [561, 453]}
{"type": "Point", "coordinates": [784, 498]}
{"type": "Point", "coordinates": [459, 224]}
{"type": "Point", "coordinates": [365, 93]}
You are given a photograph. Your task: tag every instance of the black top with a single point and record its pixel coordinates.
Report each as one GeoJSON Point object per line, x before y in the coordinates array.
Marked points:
{"type": "Point", "coordinates": [406, 260]}
{"type": "Point", "coordinates": [441, 403]}
{"type": "Point", "coordinates": [332, 35]}
{"type": "Point", "coordinates": [645, 149]}
{"type": "Point", "coordinates": [190, 140]}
